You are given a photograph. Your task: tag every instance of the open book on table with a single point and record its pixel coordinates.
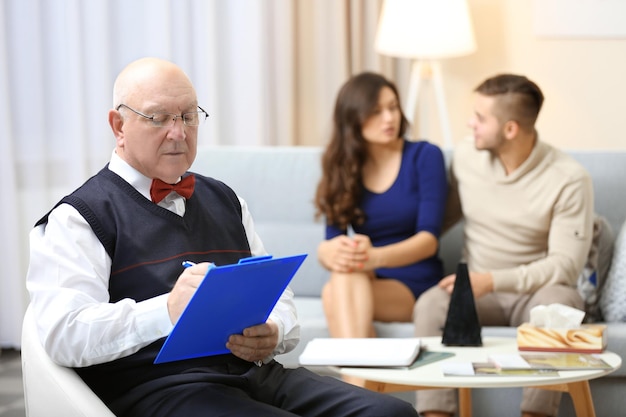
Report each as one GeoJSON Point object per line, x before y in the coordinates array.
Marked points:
{"type": "Point", "coordinates": [361, 352]}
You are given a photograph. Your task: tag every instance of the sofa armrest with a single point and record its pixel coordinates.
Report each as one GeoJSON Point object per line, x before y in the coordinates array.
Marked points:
{"type": "Point", "coordinates": [50, 389]}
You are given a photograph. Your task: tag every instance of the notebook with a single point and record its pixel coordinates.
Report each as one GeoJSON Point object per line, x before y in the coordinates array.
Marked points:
{"type": "Point", "coordinates": [229, 299]}
{"type": "Point", "coordinates": [361, 352]}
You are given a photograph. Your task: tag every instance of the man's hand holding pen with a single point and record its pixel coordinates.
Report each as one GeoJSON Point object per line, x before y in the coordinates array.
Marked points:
{"type": "Point", "coordinates": [185, 287]}
{"type": "Point", "coordinates": [256, 342]}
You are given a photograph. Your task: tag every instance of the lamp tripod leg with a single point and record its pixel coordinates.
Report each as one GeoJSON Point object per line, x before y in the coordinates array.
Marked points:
{"type": "Point", "coordinates": [441, 105]}
{"type": "Point", "coordinates": [414, 89]}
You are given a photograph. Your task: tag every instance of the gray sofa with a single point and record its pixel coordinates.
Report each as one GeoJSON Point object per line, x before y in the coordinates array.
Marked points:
{"type": "Point", "coordinates": [279, 184]}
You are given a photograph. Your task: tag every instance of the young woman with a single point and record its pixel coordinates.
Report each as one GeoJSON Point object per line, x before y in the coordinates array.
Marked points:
{"type": "Point", "coordinates": [383, 198]}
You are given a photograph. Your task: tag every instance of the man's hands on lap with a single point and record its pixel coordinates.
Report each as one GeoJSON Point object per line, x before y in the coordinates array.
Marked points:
{"type": "Point", "coordinates": [481, 282]}
{"type": "Point", "coordinates": [256, 342]}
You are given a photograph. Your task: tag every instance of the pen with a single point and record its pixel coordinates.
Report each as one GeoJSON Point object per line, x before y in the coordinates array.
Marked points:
{"type": "Point", "coordinates": [187, 264]}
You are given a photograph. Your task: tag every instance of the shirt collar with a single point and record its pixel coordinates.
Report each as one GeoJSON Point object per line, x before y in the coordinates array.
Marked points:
{"type": "Point", "coordinates": [129, 174]}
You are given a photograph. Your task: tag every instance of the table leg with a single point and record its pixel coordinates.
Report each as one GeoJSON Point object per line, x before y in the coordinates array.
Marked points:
{"type": "Point", "coordinates": [579, 391]}
{"type": "Point", "coordinates": [465, 402]}
{"type": "Point", "coordinates": [581, 397]}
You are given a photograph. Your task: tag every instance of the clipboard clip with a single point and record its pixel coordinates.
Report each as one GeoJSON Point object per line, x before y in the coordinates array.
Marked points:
{"type": "Point", "coordinates": [253, 259]}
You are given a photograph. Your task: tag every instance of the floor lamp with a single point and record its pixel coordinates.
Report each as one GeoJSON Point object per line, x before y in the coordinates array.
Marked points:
{"type": "Point", "coordinates": [426, 31]}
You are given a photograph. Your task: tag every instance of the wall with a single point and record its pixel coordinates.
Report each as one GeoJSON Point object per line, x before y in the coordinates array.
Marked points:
{"type": "Point", "coordinates": [582, 79]}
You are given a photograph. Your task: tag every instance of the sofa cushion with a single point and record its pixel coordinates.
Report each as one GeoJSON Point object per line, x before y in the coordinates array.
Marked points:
{"type": "Point", "coordinates": [613, 296]}
{"type": "Point", "coordinates": [593, 277]}
{"type": "Point", "coordinates": [285, 239]}
{"type": "Point", "coordinates": [278, 183]}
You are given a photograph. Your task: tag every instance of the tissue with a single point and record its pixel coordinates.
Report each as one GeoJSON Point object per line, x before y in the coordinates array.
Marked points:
{"type": "Point", "coordinates": [557, 316]}
{"type": "Point", "coordinates": [558, 328]}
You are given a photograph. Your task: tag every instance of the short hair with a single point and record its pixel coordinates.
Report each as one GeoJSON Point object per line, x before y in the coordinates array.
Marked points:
{"type": "Point", "coordinates": [517, 98]}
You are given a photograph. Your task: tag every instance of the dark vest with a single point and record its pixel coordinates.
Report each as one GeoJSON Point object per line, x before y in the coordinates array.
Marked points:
{"type": "Point", "coordinates": [147, 245]}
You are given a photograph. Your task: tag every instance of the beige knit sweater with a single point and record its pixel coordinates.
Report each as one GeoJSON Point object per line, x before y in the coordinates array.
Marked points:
{"type": "Point", "coordinates": [530, 228]}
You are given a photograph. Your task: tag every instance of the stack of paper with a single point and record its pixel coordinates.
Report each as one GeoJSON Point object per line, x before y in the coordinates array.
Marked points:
{"type": "Point", "coordinates": [565, 361]}
{"type": "Point", "coordinates": [548, 360]}
{"type": "Point", "coordinates": [489, 369]}
{"type": "Point", "coordinates": [529, 364]}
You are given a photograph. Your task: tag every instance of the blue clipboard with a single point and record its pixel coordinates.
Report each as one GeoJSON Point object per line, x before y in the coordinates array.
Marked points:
{"type": "Point", "coordinates": [229, 299]}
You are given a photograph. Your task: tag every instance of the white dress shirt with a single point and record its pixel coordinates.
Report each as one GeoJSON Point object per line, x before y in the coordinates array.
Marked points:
{"type": "Point", "coordinates": [68, 280]}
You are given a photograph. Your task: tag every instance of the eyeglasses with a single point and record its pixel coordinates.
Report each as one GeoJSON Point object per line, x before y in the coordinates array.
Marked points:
{"type": "Point", "coordinates": [193, 118]}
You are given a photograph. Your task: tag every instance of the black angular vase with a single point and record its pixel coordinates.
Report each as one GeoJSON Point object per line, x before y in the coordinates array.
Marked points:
{"type": "Point", "coordinates": [462, 327]}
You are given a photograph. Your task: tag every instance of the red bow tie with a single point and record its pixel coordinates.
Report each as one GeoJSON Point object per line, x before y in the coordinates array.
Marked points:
{"type": "Point", "coordinates": [160, 189]}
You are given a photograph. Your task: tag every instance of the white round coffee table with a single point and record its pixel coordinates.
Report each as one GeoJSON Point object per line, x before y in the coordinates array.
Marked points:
{"type": "Point", "coordinates": [430, 376]}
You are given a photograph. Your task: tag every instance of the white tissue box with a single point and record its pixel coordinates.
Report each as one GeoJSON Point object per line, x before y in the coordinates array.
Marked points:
{"type": "Point", "coordinates": [588, 338]}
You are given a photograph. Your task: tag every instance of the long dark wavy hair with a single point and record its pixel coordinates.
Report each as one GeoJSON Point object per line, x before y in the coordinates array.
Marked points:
{"type": "Point", "coordinates": [339, 191]}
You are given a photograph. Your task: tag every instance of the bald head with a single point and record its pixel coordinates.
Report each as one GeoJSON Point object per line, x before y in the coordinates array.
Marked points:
{"type": "Point", "coordinates": [144, 75]}
{"type": "Point", "coordinates": [147, 87]}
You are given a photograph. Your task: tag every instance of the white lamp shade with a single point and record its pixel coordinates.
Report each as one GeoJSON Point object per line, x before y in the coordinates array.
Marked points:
{"type": "Point", "coordinates": [425, 29]}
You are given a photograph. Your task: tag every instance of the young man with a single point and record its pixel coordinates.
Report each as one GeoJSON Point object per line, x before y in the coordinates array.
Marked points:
{"type": "Point", "coordinates": [107, 285]}
{"type": "Point", "coordinates": [528, 211]}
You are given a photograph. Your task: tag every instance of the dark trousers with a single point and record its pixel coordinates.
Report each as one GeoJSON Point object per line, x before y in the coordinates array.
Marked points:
{"type": "Point", "coordinates": [239, 390]}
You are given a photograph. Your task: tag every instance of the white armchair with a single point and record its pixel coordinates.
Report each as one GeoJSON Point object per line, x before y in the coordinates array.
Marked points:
{"type": "Point", "coordinates": [50, 389]}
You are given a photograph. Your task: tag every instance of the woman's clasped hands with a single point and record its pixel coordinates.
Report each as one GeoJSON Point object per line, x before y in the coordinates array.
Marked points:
{"type": "Point", "coordinates": [350, 253]}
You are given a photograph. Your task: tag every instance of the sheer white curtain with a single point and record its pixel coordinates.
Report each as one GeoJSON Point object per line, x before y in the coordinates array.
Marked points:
{"type": "Point", "coordinates": [267, 72]}
{"type": "Point", "coordinates": [59, 60]}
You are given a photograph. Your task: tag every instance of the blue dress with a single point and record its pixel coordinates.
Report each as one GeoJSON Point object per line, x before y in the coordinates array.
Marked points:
{"type": "Point", "coordinates": [416, 201]}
